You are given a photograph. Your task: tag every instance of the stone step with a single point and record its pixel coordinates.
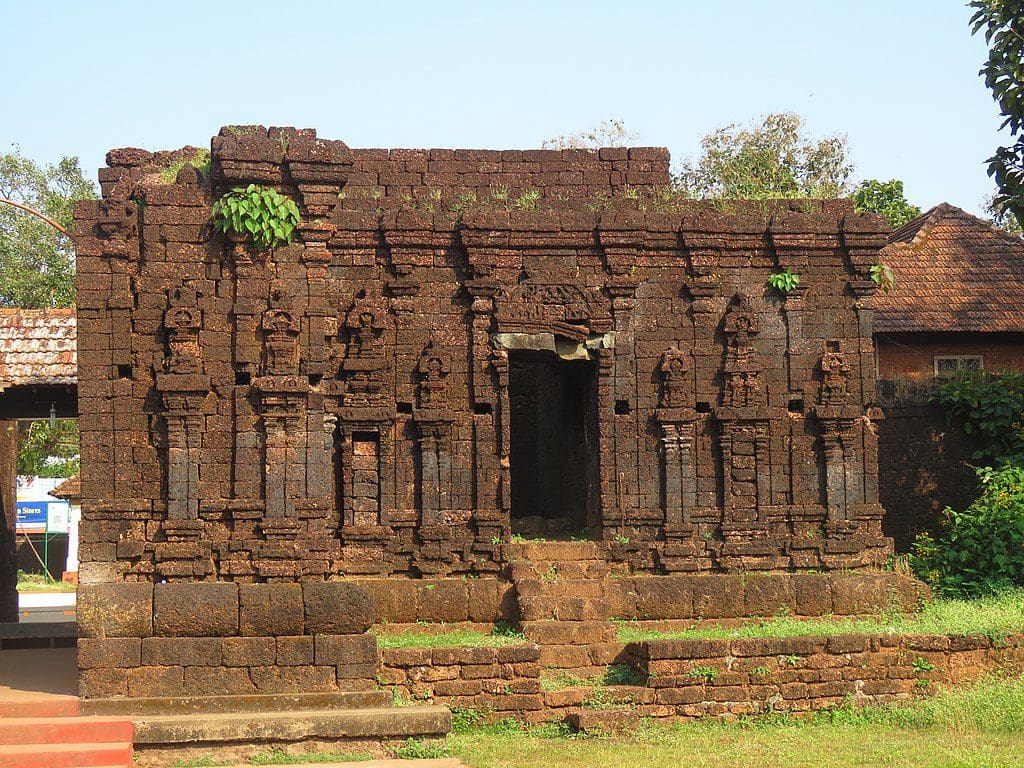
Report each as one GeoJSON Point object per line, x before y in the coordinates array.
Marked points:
{"type": "Point", "coordinates": [602, 721]}
{"type": "Point", "coordinates": [560, 586]}
{"type": "Point", "coordinates": [563, 608]}
{"type": "Point", "coordinates": [554, 551]}
{"type": "Point", "coordinates": [64, 730]}
{"type": "Point", "coordinates": [240, 703]}
{"type": "Point", "coordinates": [558, 571]}
{"type": "Point", "coordinates": [570, 632]}
{"type": "Point", "coordinates": [294, 725]}
{"type": "Point", "coordinates": [43, 706]}
{"type": "Point", "coordinates": [114, 755]}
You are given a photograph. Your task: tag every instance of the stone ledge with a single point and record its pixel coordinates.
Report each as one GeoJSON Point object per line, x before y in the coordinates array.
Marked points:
{"type": "Point", "coordinates": [293, 725]}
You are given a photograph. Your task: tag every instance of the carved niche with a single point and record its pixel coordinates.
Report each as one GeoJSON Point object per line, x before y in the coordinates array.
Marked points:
{"type": "Point", "coordinates": [183, 387]}
{"type": "Point", "coordinates": [835, 374]}
{"type": "Point", "coordinates": [674, 367]}
{"type": "Point", "coordinates": [434, 421]}
{"type": "Point", "coordinates": [280, 337]}
{"type": "Point", "coordinates": [844, 485]}
{"type": "Point", "coordinates": [433, 368]}
{"type": "Point", "coordinates": [742, 363]}
{"type": "Point", "coordinates": [676, 419]}
{"type": "Point", "coordinates": [363, 367]}
{"type": "Point", "coordinates": [182, 322]}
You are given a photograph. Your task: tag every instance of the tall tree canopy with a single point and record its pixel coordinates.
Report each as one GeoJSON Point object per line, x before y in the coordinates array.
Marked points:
{"type": "Point", "coordinates": [773, 158]}
{"type": "Point", "coordinates": [37, 264]}
{"type": "Point", "coordinates": [885, 198]}
{"type": "Point", "coordinates": [1003, 25]}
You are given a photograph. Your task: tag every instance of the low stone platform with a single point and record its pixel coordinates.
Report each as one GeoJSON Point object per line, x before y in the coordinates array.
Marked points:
{"type": "Point", "coordinates": [271, 727]}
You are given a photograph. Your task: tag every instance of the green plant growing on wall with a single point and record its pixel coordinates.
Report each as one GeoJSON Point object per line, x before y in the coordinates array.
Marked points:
{"type": "Point", "coordinates": [257, 212]}
{"type": "Point", "coordinates": [707, 674]}
{"type": "Point", "coordinates": [784, 281]}
{"type": "Point", "coordinates": [527, 201]}
{"type": "Point", "coordinates": [883, 276]}
{"type": "Point", "coordinates": [921, 664]}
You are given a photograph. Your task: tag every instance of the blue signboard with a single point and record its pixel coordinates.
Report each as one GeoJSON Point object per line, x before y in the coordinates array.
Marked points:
{"type": "Point", "coordinates": [32, 514]}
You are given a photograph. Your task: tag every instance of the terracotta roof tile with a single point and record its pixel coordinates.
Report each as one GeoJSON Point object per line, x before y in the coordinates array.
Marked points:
{"type": "Point", "coordinates": [954, 272]}
{"type": "Point", "coordinates": [69, 489]}
{"type": "Point", "coordinates": [38, 346]}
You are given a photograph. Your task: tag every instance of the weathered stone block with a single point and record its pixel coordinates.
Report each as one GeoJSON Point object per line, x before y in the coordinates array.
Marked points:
{"type": "Point", "coordinates": [270, 609]}
{"type": "Point", "coordinates": [115, 610]}
{"type": "Point", "coordinates": [181, 651]}
{"type": "Point", "coordinates": [106, 653]}
{"type": "Point", "coordinates": [248, 651]}
{"type": "Point", "coordinates": [295, 651]}
{"type": "Point", "coordinates": [345, 649]}
{"type": "Point", "coordinates": [102, 683]}
{"type": "Point", "coordinates": [336, 608]}
{"type": "Point", "coordinates": [146, 682]}
{"type": "Point", "coordinates": [195, 610]}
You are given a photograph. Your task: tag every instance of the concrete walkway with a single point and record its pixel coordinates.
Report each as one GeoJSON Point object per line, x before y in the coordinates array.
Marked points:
{"type": "Point", "coordinates": [38, 673]}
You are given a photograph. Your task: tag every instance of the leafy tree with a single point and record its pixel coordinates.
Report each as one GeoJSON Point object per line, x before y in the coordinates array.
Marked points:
{"type": "Point", "coordinates": [885, 198]}
{"type": "Point", "coordinates": [48, 452]}
{"type": "Point", "coordinates": [1002, 218]}
{"type": "Point", "coordinates": [1003, 25]}
{"type": "Point", "coordinates": [37, 265]}
{"type": "Point", "coordinates": [37, 270]}
{"type": "Point", "coordinates": [608, 133]}
{"type": "Point", "coordinates": [773, 158]}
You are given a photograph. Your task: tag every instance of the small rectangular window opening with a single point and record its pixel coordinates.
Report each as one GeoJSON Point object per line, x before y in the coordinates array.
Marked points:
{"type": "Point", "coordinates": [952, 365]}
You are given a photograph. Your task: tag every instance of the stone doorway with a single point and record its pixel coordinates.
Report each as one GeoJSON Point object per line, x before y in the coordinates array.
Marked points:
{"type": "Point", "coordinates": [553, 428]}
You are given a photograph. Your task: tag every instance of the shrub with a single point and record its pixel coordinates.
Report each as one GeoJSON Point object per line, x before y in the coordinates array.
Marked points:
{"type": "Point", "coordinates": [260, 213]}
{"type": "Point", "coordinates": [990, 408]}
{"type": "Point", "coordinates": [980, 550]}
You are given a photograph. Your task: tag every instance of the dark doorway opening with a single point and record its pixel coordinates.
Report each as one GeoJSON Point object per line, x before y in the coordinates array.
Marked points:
{"type": "Point", "coordinates": [554, 444]}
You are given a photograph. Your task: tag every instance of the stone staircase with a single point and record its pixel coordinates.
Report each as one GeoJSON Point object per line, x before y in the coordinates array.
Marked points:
{"type": "Point", "coordinates": [563, 605]}
{"type": "Point", "coordinates": [48, 733]}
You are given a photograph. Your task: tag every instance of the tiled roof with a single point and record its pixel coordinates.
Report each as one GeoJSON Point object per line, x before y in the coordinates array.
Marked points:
{"type": "Point", "coordinates": [37, 346]}
{"type": "Point", "coordinates": [954, 272]}
{"type": "Point", "coordinates": [69, 489]}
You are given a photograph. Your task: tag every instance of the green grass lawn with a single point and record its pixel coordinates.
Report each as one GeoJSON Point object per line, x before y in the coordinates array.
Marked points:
{"type": "Point", "coordinates": [977, 727]}
{"type": "Point", "coordinates": [37, 582]}
{"type": "Point", "coordinates": [447, 637]}
{"type": "Point", "coordinates": [995, 616]}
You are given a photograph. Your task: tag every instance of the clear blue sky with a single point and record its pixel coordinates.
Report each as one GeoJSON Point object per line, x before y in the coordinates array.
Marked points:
{"type": "Point", "coordinates": [899, 77]}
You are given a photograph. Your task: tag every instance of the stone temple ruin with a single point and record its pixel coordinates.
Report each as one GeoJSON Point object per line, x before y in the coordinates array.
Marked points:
{"type": "Point", "coordinates": [460, 351]}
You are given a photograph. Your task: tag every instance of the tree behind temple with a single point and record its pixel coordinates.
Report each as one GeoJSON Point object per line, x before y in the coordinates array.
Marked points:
{"type": "Point", "coordinates": [885, 198]}
{"type": "Point", "coordinates": [37, 264]}
{"type": "Point", "coordinates": [773, 158]}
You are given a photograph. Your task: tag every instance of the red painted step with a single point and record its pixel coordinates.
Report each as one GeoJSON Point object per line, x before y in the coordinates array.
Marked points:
{"type": "Point", "coordinates": [66, 755]}
{"type": "Point", "coordinates": [49, 706]}
{"type": "Point", "coordinates": [64, 730]}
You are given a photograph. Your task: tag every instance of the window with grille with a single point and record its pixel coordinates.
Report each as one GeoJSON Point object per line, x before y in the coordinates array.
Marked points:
{"type": "Point", "coordinates": [950, 365]}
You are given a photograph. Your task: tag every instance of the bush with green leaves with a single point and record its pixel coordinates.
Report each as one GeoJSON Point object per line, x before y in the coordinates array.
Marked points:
{"type": "Point", "coordinates": [980, 550]}
{"type": "Point", "coordinates": [990, 408]}
{"type": "Point", "coordinates": [260, 213]}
